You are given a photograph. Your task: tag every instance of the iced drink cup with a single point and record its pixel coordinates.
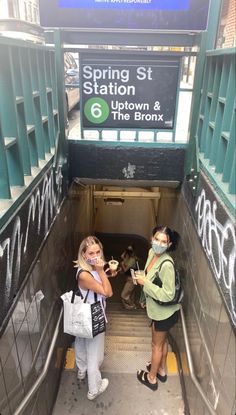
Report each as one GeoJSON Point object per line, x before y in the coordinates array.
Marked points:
{"type": "Point", "coordinates": [113, 264]}
{"type": "Point", "coordinates": [140, 273]}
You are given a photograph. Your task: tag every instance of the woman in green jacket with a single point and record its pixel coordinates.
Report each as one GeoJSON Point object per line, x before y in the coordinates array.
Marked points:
{"type": "Point", "coordinates": [163, 317]}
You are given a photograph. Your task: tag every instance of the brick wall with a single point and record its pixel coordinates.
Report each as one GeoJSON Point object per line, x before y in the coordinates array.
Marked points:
{"type": "Point", "coordinates": [226, 35]}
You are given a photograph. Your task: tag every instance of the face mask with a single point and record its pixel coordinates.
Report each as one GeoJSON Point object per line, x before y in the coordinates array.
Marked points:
{"type": "Point", "coordinates": [93, 261]}
{"type": "Point", "coordinates": [158, 249]}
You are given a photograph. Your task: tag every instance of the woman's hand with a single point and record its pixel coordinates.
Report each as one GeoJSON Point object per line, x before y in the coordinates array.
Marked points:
{"type": "Point", "coordinates": [142, 305]}
{"type": "Point", "coordinates": [140, 280]}
{"type": "Point", "coordinates": [113, 273]}
{"type": "Point", "coordinates": [99, 265]}
{"type": "Point", "coordinates": [110, 273]}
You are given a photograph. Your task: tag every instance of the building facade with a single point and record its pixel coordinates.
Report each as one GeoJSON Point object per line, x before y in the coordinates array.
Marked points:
{"type": "Point", "coordinates": [24, 10]}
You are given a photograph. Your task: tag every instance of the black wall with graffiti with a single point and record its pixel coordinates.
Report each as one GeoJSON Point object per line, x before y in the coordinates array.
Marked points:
{"type": "Point", "coordinates": [116, 162]}
{"type": "Point", "coordinates": [22, 238]}
{"type": "Point", "coordinates": [217, 232]}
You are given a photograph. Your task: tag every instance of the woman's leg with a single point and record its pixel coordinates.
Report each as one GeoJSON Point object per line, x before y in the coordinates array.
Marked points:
{"type": "Point", "coordinates": [127, 292]}
{"type": "Point", "coordinates": [95, 355]}
{"type": "Point", "coordinates": [127, 289]}
{"type": "Point", "coordinates": [162, 367]}
{"type": "Point", "coordinates": [81, 354]}
{"type": "Point", "coordinates": [158, 352]}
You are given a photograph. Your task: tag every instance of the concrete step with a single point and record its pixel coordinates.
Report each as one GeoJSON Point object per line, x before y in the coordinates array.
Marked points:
{"type": "Point", "coordinates": [126, 333]}
{"type": "Point", "coordinates": [127, 347]}
{"type": "Point", "coordinates": [125, 361]}
{"type": "Point", "coordinates": [119, 307]}
{"type": "Point", "coordinates": [127, 313]}
{"type": "Point", "coordinates": [114, 343]}
{"type": "Point", "coordinates": [128, 323]}
{"type": "Point", "coordinates": [132, 318]}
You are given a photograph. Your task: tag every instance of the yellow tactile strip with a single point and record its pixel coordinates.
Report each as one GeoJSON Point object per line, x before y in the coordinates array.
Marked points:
{"type": "Point", "coordinates": [171, 363]}
{"type": "Point", "coordinates": [185, 364]}
{"type": "Point", "coordinates": [70, 359]}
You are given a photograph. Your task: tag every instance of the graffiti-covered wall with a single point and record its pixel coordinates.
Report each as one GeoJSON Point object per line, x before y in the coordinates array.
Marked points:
{"type": "Point", "coordinates": [21, 239]}
{"type": "Point", "coordinates": [217, 232]}
{"type": "Point", "coordinates": [206, 256]}
{"type": "Point", "coordinates": [37, 254]}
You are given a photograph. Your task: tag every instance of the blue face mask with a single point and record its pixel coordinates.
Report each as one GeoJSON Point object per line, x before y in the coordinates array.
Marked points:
{"type": "Point", "coordinates": [158, 249]}
{"type": "Point", "coordinates": [93, 261]}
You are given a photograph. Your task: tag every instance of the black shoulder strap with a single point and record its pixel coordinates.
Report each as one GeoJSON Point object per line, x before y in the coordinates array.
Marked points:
{"type": "Point", "coordinates": [166, 260]}
{"type": "Point", "coordinates": [159, 268]}
{"type": "Point", "coordinates": [79, 272]}
{"type": "Point", "coordinates": [77, 277]}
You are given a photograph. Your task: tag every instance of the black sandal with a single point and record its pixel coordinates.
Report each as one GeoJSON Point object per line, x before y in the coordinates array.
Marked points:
{"type": "Point", "coordinates": [143, 378]}
{"type": "Point", "coordinates": [161, 378]}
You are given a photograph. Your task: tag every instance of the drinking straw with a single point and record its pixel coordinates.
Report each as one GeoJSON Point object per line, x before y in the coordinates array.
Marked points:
{"type": "Point", "coordinates": [137, 265]}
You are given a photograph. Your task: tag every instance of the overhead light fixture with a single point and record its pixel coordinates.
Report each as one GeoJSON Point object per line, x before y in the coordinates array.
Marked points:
{"type": "Point", "coordinates": [113, 201]}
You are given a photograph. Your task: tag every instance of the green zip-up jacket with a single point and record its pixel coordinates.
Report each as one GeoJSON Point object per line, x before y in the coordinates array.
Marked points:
{"type": "Point", "coordinates": [165, 293]}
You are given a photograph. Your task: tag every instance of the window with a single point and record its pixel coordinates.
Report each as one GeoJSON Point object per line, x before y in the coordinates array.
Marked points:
{"type": "Point", "coordinates": [25, 11]}
{"type": "Point", "coordinates": [13, 8]}
{"type": "Point", "coordinates": [29, 12]}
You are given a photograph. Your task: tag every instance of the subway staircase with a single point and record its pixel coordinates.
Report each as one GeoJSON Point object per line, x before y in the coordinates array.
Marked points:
{"type": "Point", "coordinates": [127, 349]}
{"type": "Point", "coordinates": [128, 340]}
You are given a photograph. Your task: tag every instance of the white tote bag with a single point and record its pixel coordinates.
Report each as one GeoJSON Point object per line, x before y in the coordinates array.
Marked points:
{"type": "Point", "coordinates": [77, 316]}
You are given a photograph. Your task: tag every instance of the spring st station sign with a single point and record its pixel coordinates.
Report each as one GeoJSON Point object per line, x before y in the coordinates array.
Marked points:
{"type": "Point", "coordinates": [128, 91]}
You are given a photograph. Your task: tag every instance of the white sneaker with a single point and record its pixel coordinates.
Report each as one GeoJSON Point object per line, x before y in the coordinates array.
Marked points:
{"type": "Point", "coordinates": [104, 385]}
{"type": "Point", "coordinates": [81, 375]}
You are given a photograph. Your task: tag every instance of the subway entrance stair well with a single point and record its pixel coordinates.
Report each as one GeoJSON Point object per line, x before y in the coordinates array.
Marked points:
{"type": "Point", "coordinates": [118, 177]}
{"type": "Point", "coordinates": [127, 349]}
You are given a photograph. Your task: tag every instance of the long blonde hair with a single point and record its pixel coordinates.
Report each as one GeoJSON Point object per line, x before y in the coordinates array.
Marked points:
{"type": "Point", "coordinates": [80, 261]}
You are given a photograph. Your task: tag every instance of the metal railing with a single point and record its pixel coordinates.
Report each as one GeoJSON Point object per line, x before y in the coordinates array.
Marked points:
{"type": "Point", "coordinates": [28, 112]}
{"type": "Point", "coordinates": [191, 368]}
{"type": "Point", "coordinates": [28, 397]}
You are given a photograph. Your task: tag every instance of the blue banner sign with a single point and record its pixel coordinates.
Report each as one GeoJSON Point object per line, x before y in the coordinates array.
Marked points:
{"type": "Point", "coordinates": [143, 15]}
{"type": "Point", "coordinates": [126, 4]}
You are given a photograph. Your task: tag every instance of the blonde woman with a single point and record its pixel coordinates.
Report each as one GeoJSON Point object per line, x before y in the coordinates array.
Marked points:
{"type": "Point", "coordinates": [89, 353]}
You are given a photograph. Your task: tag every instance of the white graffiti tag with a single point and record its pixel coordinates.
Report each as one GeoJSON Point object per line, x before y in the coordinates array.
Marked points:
{"type": "Point", "coordinates": [129, 171]}
{"type": "Point", "coordinates": [42, 204]}
{"type": "Point", "coordinates": [13, 254]}
{"type": "Point", "coordinates": [219, 243]}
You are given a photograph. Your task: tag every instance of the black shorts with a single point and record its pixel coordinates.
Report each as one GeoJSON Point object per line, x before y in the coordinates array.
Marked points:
{"type": "Point", "coordinates": [165, 325]}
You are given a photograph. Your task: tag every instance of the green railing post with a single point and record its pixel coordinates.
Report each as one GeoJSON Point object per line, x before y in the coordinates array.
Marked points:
{"type": "Point", "coordinates": [61, 153]}
{"type": "Point", "coordinates": [207, 41]}
{"type": "Point", "coordinates": [28, 119]}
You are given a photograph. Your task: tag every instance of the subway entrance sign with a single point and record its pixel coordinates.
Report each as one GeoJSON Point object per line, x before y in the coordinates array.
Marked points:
{"type": "Point", "coordinates": [121, 90]}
